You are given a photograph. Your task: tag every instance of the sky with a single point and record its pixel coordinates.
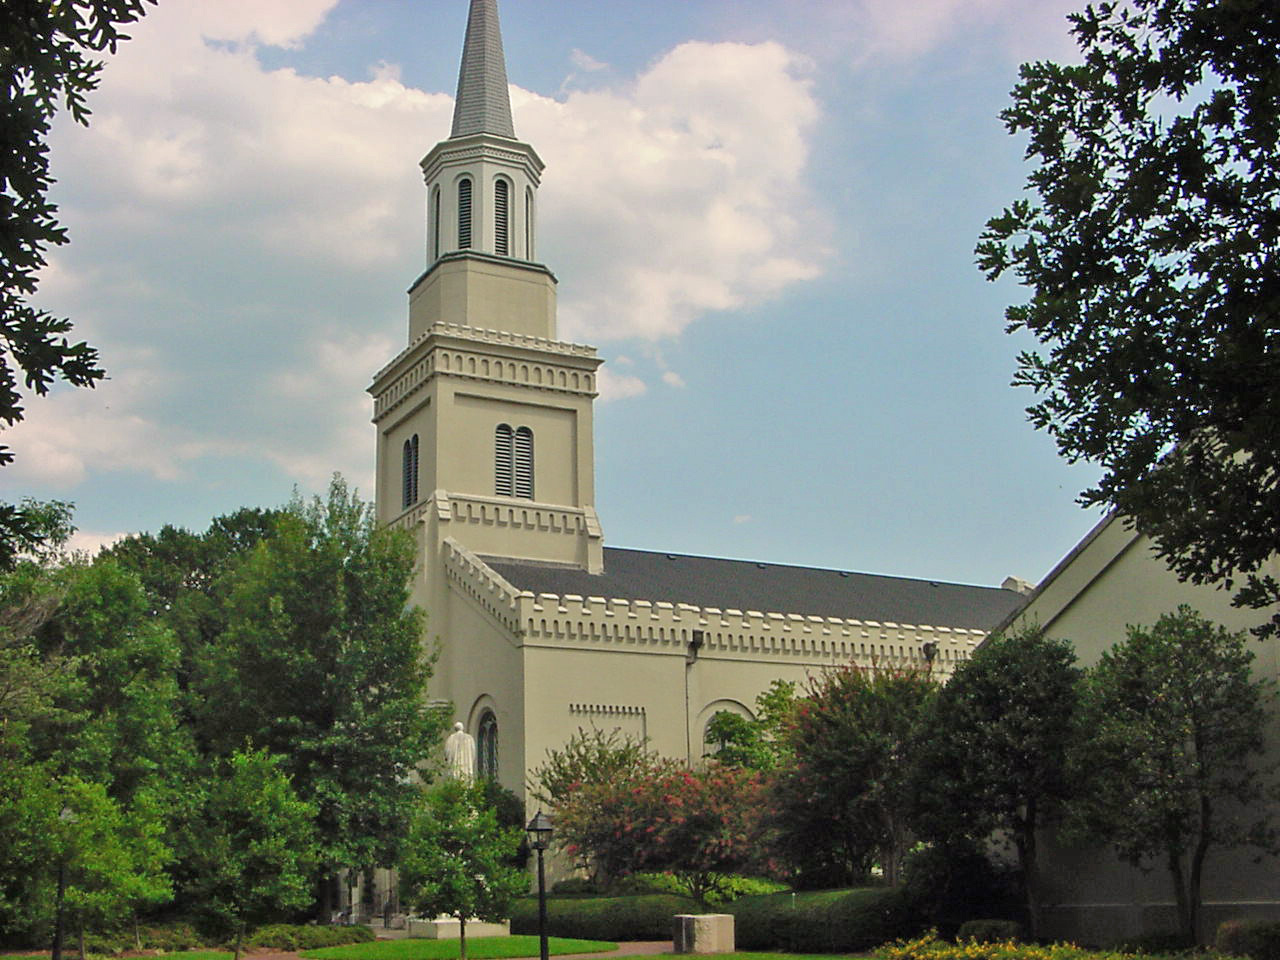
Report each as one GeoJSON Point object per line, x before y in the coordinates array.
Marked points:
{"type": "Point", "coordinates": [761, 212]}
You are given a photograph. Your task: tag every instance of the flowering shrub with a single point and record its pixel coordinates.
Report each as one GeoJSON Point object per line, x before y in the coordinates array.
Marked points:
{"type": "Point", "coordinates": [929, 947]}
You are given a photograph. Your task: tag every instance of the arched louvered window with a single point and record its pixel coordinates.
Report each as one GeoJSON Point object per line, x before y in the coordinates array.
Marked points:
{"type": "Point", "coordinates": [501, 217]}
{"type": "Point", "coordinates": [502, 460]}
{"type": "Point", "coordinates": [464, 213]}
{"type": "Point", "coordinates": [435, 224]}
{"type": "Point", "coordinates": [487, 747]}
{"type": "Point", "coordinates": [528, 224]}
{"type": "Point", "coordinates": [523, 480]}
{"type": "Point", "coordinates": [409, 475]}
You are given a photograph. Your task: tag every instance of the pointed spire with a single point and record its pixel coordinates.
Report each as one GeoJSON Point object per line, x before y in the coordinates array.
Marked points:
{"type": "Point", "coordinates": [483, 104]}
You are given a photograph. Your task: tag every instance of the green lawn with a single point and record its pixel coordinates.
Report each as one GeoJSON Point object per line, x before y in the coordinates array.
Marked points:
{"type": "Point", "coordinates": [479, 948]}
{"type": "Point", "coordinates": [74, 952]}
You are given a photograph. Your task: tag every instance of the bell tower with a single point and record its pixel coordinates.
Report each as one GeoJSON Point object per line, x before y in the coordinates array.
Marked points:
{"type": "Point", "coordinates": [485, 419]}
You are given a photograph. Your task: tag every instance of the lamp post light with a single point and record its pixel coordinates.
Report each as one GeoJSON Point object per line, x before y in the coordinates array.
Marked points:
{"type": "Point", "coordinates": [539, 830]}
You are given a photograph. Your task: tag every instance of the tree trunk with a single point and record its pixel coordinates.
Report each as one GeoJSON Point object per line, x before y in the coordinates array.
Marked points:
{"type": "Point", "coordinates": [326, 900]}
{"type": "Point", "coordinates": [83, 954]}
{"type": "Point", "coordinates": [239, 938]}
{"type": "Point", "coordinates": [58, 919]}
{"type": "Point", "coordinates": [1185, 921]}
{"type": "Point", "coordinates": [1197, 867]}
{"type": "Point", "coordinates": [1026, 844]}
{"type": "Point", "coordinates": [137, 934]}
{"type": "Point", "coordinates": [462, 936]}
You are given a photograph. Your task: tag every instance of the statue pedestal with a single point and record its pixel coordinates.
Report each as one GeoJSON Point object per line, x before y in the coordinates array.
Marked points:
{"type": "Point", "coordinates": [448, 928]}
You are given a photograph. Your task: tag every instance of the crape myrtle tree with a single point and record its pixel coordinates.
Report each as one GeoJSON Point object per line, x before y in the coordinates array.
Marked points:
{"type": "Point", "coordinates": [992, 754]}
{"type": "Point", "coordinates": [1173, 766]}
{"type": "Point", "coordinates": [1151, 247]}
{"type": "Point", "coordinates": [845, 799]}
{"type": "Point", "coordinates": [320, 661]}
{"type": "Point", "coordinates": [47, 64]}
{"type": "Point", "coordinates": [458, 857]}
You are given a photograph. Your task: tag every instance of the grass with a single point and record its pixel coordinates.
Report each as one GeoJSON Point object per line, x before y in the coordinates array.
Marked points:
{"type": "Point", "coordinates": [171, 955]}
{"type": "Point", "coordinates": [478, 948]}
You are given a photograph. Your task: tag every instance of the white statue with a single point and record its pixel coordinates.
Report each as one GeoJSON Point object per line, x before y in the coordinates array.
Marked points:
{"type": "Point", "coordinates": [460, 754]}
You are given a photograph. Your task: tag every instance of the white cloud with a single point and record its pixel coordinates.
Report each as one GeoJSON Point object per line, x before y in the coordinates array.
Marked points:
{"type": "Point", "coordinates": [742, 518]}
{"type": "Point", "coordinates": [612, 386]}
{"type": "Point", "coordinates": [91, 542]}
{"type": "Point", "coordinates": [681, 194]}
{"type": "Point", "coordinates": [584, 61]}
{"type": "Point", "coordinates": [673, 379]}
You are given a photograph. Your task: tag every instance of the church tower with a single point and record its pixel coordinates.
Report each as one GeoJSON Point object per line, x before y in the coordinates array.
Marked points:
{"type": "Point", "coordinates": [485, 419]}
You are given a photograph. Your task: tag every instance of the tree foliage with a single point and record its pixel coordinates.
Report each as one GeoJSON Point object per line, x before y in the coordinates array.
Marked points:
{"type": "Point", "coordinates": [256, 846]}
{"type": "Point", "coordinates": [1151, 244]}
{"type": "Point", "coordinates": [320, 661]}
{"type": "Point", "coordinates": [1172, 764]}
{"type": "Point", "coordinates": [457, 859]}
{"type": "Point", "coordinates": [47, 64]}
{"type": "Point", "coordinates": [992, 754]}
{"type": "Point", "coordinates": [758, 742]}
{"type": "Point", "coordinates": [590, 757]}
{"type": "Point", "coordinates": [844, 803]}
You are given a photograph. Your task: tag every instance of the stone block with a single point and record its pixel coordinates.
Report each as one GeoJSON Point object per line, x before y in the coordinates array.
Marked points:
{"type": "Point", "coordinates": [448, 928]}
{"type": "Point", "coordinates": [702, 933]}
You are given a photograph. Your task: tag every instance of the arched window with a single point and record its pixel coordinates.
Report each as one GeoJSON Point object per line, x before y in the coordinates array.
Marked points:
{"type": "Point", "coordinates": [523, 480]}
{"type": "Point", "coordinates": [501, 217]}
{"type": "Point", "coordinates": [528, 224]}
{"type": "Point", "coordinates": [464, 213]}
{"type": "Point", "coordinates": [502, 459]}
{"type": "Point", "coordinates": [409, 475]}
{"type": "Point", "coordinates": [487, 747]}
{"type": "Point", "coordinates": [435, 224]}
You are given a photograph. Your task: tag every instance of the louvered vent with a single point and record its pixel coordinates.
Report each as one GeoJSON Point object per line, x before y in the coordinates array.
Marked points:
{"type": "Point", "coordinates": [464, 214]}
{"type": "Point", "coordinates": [524, 463]}
{"type": "Point", "coordinates": [501, 217]}
{"type": "Point", "coordinates": [435, 224]}
{"type": "Point", "coordinates": [502, 460]}
{"type": "Point", "coordinates": [409, 479]}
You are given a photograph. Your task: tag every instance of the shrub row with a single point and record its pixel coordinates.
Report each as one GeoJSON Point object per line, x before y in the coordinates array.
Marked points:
{"type": "Point", "coordinates": [990, 931]}
{"type": "Point", "coordinates": [603, 918]}
{"type": "Point", "coordinates": [837, 921]}
{"type": "Point", "coordinates": [1256, 939]}
{"type": "Point", "coordinates": [292, 936]}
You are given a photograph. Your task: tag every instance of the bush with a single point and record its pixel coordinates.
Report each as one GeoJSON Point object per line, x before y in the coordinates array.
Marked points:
{"type": "Point", "coordinates": [171, 937]}
{"type": "Point", "coordinates": [1167, 941]}
{"type": "Point", "coordinates": [604, 918]}
{"type": "Point", "coordinates": [292, 936]}
{"type": "Point", "coordinates": [1256, 939]}
{"type": "Point", "coordinates": [990, 931]}
{"type": "Point", "coordinates": [948, 884]}
{"type": "Point", "coordinates": [574, 886]}
{"type": "Point", "coordinates": [832, 921]}
{"type": "Point", "coordinates": [726, 887]}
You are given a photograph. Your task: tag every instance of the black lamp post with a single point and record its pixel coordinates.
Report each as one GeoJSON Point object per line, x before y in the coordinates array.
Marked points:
{"type": "Point", "coordinates": [539, 830]}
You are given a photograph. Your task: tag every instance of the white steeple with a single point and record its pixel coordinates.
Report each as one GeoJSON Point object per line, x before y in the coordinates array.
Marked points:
{"type": "Point", "coordinates": [481, 182]}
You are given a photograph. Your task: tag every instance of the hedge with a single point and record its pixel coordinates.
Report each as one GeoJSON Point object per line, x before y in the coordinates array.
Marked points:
{"type": "Point", "coordinates": [990, 931]}
{"type": "Point", "coordinates": [1256, 939]}
{"type": "Point", "coordinates": [831, 921]}
{"type": "Point", "coordinates": [292, 936]}
{"type": "Point", "coordinates": [604, 918]}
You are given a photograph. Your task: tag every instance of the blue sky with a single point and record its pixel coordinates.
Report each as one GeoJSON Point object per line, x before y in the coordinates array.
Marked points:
{"type": "Point", "coordinates": [762, 213]}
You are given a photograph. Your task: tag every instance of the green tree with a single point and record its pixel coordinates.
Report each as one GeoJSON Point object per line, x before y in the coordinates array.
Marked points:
{"type": "Point", "coordinates": [458, 858]}
{"type": "Point", "coordinates": [590, 757]}
{"type": "Point", "coordinates": [321, 662]}
{"type": "Point", "coordinates": [47, 63]}
{"type": "Point", "coordinates": [1172, 767]}
{"type": "Point", "coordinates": [992, 753]}
{"type": "Point", "coordinates": [1150, 246]}
{"type": "Point", "coordinates": [758, 743]}
{"type": "Point", "coordinates": [848, 792]}
{"type": "Point", "coordinates": [256, 844]}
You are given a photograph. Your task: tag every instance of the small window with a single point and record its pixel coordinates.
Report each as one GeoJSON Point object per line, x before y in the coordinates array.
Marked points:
{"type": "Point", "coordinates": [409, 474]}
{"type": "Point", "coordinates": [464, 214]}
{"type": "Point", "coordinates": [501, 218]}
{"type": "Point", "coordinates": [523, 480]}
{"type": "Point", "coordinates": [435, 224]}
{"type": "Point", "coordinates": [528, 224]}
{"type": "Point", "coordinates": [502, 459]}
{"type": "Point", "coordinates": [487, 747]}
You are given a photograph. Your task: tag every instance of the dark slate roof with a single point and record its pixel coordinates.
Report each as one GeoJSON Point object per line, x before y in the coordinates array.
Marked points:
{"type": "Point", "coordinates": [483, 104]}
{"type": "Point", "coordinates": [768, 588]}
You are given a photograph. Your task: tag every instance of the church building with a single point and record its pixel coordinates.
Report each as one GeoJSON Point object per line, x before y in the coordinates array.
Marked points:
{"type": "Point", "coordinates": [485, 453]}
